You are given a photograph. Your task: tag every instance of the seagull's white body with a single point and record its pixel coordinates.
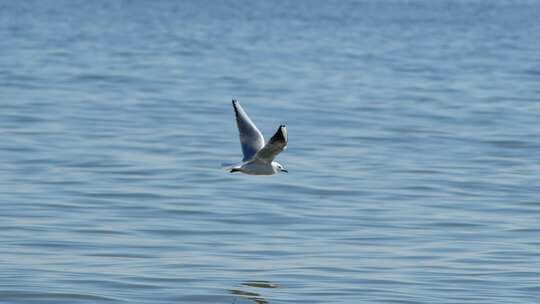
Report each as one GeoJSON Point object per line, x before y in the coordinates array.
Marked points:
{"type": "Point", "coordinates": [258, 168]}
{"type": "Point", "coordinates": [258, 157]}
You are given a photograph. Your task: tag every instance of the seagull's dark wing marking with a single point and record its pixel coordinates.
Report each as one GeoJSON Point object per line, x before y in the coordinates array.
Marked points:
{"type": "Point", "coordinates": [251, 138]}
{"type": "Point", "coordinates": [275, 145]}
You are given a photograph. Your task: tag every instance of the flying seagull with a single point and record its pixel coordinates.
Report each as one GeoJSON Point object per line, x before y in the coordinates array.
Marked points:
{"type": "Point", "coordinates": [258, 157]}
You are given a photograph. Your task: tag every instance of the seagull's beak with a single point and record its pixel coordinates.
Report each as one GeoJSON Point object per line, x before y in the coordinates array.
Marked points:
{"type": "Point", "coordinates": [284, 170]}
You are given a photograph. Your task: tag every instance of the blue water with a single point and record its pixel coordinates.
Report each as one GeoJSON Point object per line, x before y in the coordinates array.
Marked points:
{"type": "Point", "coordinates": [413, 160]}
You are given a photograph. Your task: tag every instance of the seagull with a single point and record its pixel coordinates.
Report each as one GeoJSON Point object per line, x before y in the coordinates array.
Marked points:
{"type": "Point", "coordinates": [258, 157]}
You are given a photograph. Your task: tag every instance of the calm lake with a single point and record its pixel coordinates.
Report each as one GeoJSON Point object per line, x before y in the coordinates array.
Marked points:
{"type": "Point", "coordinates": [413, 158]}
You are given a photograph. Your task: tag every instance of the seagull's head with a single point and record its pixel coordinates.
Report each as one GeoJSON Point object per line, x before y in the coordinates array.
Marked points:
{"type": "Point", "coordinates": [279, 167]}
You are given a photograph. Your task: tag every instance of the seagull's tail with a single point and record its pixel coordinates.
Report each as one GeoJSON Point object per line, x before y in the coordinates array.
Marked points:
{"type": "Point", "coordinates": [228, 166]}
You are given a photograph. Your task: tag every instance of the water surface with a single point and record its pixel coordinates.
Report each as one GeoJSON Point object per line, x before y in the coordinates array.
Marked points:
{"type": "Point", "coordinates": [413, 158]}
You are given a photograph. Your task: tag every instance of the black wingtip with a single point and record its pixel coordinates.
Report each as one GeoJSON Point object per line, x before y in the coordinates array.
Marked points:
{"type": "Point", "coordinates": [234, 104]}
{"type": "Point", "coordinates": [280, 134]}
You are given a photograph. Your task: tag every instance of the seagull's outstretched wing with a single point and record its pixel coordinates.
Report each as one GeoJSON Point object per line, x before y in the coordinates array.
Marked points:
{"type": "Point", "coordinates": [251, 138]}
{"type": "Point", "coordinates": [275, 145]}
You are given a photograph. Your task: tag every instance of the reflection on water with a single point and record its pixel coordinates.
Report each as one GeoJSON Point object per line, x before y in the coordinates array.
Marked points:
{"type": "Point", "coordinates": [251, 295]}
{"type": "Point", "coordinates": [261, 284]}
